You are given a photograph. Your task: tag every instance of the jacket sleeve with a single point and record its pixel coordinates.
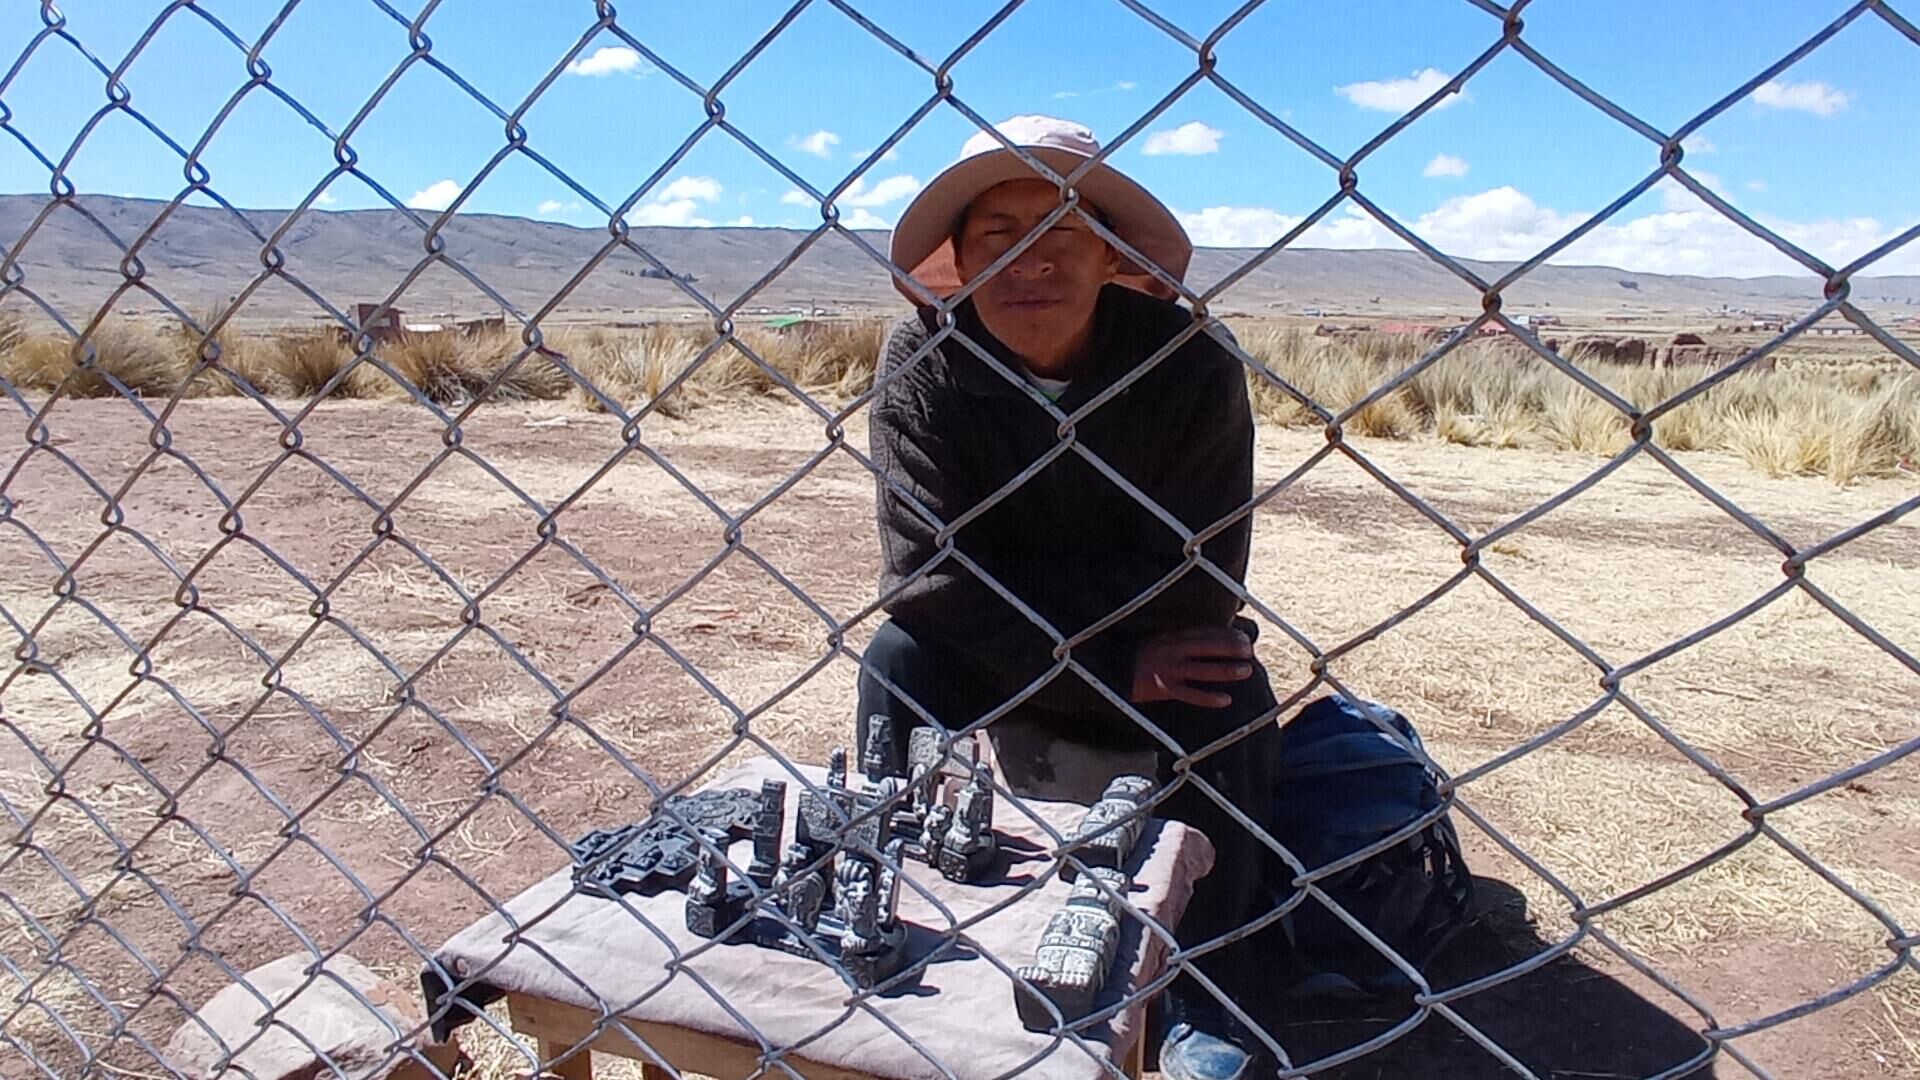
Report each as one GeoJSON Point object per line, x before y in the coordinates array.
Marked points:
{"type": "Point", "coordinates": [909, 426]}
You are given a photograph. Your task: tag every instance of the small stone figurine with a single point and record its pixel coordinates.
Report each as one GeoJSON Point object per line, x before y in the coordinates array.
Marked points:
{"type": "Point", "coordinates": [1076, 952]}
{"type": "Point", "coordinates": [877, 756]}
{"type": "Point", "coordinates": [713, 904]}
{"type": "Point", "coordinates": [1112, 826]}
{"type": "Point", "coordinates": [766, 833]}
{"type": "Point", "coordinates": [939, 820]}
{"type": "Point", "coordinates": [967, 850]}
{"type": "Point", "coordinates": [806, 889]}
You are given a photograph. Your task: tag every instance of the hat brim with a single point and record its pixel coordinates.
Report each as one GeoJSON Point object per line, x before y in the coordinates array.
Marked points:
{"type": "Point", "coordinates": [922, 240]}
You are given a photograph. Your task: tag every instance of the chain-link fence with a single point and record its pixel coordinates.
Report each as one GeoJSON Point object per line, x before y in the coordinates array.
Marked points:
{"type": "Point", "coordinates": [295, 675]}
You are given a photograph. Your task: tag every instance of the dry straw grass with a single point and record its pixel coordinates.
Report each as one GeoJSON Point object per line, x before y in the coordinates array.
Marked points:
{"type": "Point", "coordinates": [1842, 424]}
{"type": "Point", "coordinates": [1845, 425]}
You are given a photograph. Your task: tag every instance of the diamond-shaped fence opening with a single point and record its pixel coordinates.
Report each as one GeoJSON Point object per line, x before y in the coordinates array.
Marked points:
{"type": "Point", "coordinates": [338, 641]}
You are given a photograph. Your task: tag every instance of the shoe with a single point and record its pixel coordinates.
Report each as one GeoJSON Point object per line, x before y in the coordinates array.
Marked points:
{"type": "Point", "coordinates": [1191, 1054]}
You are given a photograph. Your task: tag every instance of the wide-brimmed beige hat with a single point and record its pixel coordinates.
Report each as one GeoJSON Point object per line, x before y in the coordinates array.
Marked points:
{"type": "Point", "coordinates": [923, 239]}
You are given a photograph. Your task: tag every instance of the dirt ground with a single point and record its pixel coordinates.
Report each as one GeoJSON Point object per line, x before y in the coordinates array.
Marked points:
{"type": "Point", "coordinates": [279, 721]}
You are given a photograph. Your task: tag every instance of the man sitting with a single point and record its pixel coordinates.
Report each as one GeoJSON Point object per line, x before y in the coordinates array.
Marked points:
{"type": "Point", "coordinates": [1053, 529]}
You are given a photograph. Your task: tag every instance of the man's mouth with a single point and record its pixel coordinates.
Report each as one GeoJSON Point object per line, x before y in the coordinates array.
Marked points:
{"type": "Point", "coordinates": [1029, 303]}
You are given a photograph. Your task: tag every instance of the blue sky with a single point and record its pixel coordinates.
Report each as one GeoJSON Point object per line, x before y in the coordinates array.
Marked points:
{"type": "Point", "coordinates": [1826, 154]}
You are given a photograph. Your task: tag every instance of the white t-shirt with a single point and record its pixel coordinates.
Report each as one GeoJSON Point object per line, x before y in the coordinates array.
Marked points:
{"type": "Point", "coordinates": [1052, 388]}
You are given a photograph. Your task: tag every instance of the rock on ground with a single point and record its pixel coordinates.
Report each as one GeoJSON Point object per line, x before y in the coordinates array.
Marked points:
{"type": "Point", "coordinates": [324, 1012]}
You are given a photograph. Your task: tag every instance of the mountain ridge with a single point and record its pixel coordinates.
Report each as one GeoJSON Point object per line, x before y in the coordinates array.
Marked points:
{"type": "Point", "coordinates": [200, 256]}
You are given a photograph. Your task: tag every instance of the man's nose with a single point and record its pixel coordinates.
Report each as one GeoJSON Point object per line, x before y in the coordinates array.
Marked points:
{"type": "Point", "coordinates": [1030, 263]}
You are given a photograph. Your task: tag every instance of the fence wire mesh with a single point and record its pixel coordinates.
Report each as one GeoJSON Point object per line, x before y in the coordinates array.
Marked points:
{"type": "Point", "coordinates": [160, 842]}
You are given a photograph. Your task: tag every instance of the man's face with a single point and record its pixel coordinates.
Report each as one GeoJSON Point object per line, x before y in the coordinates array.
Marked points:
{"type": "Point", "coordinates": [1041, 304]}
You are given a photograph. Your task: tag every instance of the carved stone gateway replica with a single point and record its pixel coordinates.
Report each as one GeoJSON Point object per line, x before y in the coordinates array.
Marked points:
{"type": "Point", "coordinates": [1076, 951]}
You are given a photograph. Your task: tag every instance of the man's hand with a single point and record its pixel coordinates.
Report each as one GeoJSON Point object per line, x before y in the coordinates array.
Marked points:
{"type": "Point", "coordinates": [1167, 666]}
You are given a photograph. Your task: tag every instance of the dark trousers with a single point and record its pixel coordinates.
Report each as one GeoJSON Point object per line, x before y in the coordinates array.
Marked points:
{"type": "Point", "coordinates": [936, 677]}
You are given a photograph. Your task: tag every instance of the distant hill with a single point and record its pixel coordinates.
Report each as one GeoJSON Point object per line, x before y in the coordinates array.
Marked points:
{"type": "Point", "coordinates": [201, 255]}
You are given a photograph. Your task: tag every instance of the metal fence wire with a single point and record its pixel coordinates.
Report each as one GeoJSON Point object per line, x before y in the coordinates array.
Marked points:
{"type": "Point", "coordinates": [83, 996]}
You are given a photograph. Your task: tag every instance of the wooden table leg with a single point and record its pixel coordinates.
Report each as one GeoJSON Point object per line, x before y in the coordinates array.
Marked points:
{"type": "Point", "coordinates": [1136, 1060]}
{"type": "Point", "coordinates": [577, 1067]}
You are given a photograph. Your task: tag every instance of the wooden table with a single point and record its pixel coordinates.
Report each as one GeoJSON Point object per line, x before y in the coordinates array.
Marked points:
{"type": "Point", "coordinates": [556, 1028]}
{"type": "Point", "coordinates": [563, 960]}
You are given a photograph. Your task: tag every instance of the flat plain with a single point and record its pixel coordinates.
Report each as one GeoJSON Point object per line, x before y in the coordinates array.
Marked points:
{"type": "Point", "coordinates": [378, 638]}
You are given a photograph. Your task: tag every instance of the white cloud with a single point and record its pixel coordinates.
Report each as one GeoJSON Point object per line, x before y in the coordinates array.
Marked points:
{"type": "Point", "coordinates": [1445, 165]}
{"type": "Point", "coordinates": [1756, 185]}
{"type": "Point", "coordinates": [683, 212]}
{"type": "Point", "coordinates": [702, 188]}
{"type": "Point", "coordinates": [819, 144]}
{"type": "Point", "coordinates": [890, 190]}
{"type": "Point", "coordinates": [435, 196]}
{"type": "Point", "coordinates": [1815, 97]}
{"type": "Point", "coordinates": [1189, 138]}
{"type": "Point", "coordinates": [890, 155]}
{"type": "Point", "coordinates": [678, 203]}
{"type": "Point", "coordinates": [742, 221]}
{"type": "Point", "coordinates": [1504, 224]}
{"type": "Point", "coordinates": [1400, 95]}
{"type": "Point", "coordinates": [1255, 226]}
{"type": "Point", "coordinates": [1675, 196]}
{"type": "Point", "coordinates": [863, 218]}
{"type": "Point", "coordinates": [1698, 144]}
{"type": "Point", "coordinates": [325, 198]}
{"type": "Point", "coordinates": [609, 60]}
{"type": "Point", "coordinates": [796, 197]}
{"type": "Point", "coordinates": [555, 206]}
{"type": "Point", "coordinates": [1125, 84]}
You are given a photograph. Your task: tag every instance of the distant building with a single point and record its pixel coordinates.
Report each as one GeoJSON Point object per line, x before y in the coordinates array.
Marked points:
{"type": "Point", "coordinates": [385, 327]}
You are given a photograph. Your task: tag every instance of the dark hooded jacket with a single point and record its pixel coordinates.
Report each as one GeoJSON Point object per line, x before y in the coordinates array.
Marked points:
{"type": "Point", "coordinates": [1068, 540]}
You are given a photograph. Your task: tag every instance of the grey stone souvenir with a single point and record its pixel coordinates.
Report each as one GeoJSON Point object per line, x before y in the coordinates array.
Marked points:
{"type": "Point", "coordinates": [967, 850]}
{"type": "Point", "coordinates": [714, 903]}
{"type": "Point", "coordinates": [766, 833]}
{"type": "Point", "coordinates": [1111, 826]}
{"type": "Point", "coordinates": [660, 853]}
{"type": "Point", "coordinates": [1075, 954]}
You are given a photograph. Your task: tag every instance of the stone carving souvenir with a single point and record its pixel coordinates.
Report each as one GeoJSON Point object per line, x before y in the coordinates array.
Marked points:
{"type": "Point", "coordinates": [833, 892]}
{"type": "Point", "coordinates": [968, 849]}
{"type": "Point", "coordinates": [714, 903]}
{"type": "Point", "coordinates": [766, 833]}
{"type": "Point", "coordinates": [943, 807]}
{"type": "Point", "coordinates": [1076, 952]}
{"type": "Point", "coordinates": [660, 853]}
{"type": "Point", "coordinates": [1111, 827]}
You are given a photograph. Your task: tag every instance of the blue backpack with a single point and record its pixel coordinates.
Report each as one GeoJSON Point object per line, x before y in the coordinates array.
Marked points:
{"type": "Point", "coordinates": [1345, 784]}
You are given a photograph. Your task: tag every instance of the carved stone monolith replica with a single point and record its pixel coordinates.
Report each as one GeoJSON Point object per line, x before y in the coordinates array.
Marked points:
{"type": "Point", "coordinates": [1111, 828]}
{"type": "Point", "coordinates": [1076, 952]}
{"type": "Point", "coordinates": [766, 833]}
